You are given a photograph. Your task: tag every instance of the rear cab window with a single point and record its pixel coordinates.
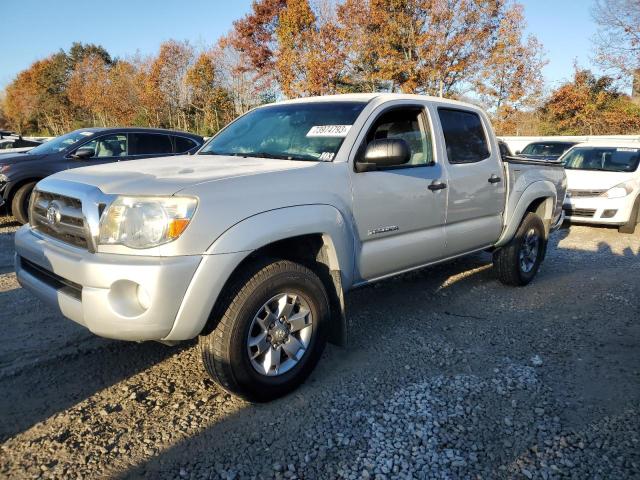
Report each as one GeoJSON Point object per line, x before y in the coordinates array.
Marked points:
{"type": "Point", "coordinates": [149, 144]}
{"type": "Point", "coordinates": [464, 136]}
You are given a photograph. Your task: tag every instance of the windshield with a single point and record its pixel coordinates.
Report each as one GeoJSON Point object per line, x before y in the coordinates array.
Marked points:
{"type": "Point", "coordinates": [297, 131]}
{"type": "Point", "coordinates": [603, 159]}
{"type": "Point", "coordinates": [60, 143]}
{"type": "Point", "coordinates": [547, 149]}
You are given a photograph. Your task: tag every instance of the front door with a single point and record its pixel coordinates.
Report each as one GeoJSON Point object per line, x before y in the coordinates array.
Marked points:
{"type": "Point", "coordinates": [106, 149]}
{"type": "Point", "coordinates": [399, 219]}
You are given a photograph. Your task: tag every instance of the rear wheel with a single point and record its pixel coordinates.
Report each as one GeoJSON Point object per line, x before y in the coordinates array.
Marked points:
{"type": "Point", "coordinates": [519, 261]}
{"type": "Point", "coordinates": [271, 334]}
{"type": "Point", "coordinates": [20, 202]}
{"type": "Point", "coordinates": [634, 219]}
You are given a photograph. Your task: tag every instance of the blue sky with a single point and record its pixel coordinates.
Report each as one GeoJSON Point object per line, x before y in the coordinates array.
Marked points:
{"type": "Point", "coordinates": [33, 29]}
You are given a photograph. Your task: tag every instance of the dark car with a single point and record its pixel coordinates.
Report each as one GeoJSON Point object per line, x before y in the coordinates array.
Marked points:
{"type": "Point", "coordinates": [19, 172]}
{"type": "Point", "coordinates": [545, 150]}
{"type": "Point", "coordinates": [11, 140]}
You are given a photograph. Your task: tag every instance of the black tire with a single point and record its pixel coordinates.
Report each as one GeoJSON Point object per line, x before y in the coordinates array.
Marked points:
{"type": "Point", "coordinates": [506, 260]}
{"type": "Point", "coordinates": [224, 350]}
{"type": "Point", "coordinates": [20, 202]}
{"type": "Point", "coordinates": [634, 219]}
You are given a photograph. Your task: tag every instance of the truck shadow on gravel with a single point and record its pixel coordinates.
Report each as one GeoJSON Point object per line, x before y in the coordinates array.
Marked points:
{"type": "Point", "coordinates": [40, 391]}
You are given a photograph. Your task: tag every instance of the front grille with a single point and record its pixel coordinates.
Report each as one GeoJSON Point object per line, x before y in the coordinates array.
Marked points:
{"type": "Point", "coordinates": [580, 212]}
{"type": "Point", "coordinates": [59, 217]}
{"type": "Point", "coordinates": [585, 193]}
{"type": "Point", "coordinates": [55, 281]}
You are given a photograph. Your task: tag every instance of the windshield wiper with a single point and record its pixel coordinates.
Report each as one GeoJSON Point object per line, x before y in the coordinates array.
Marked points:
{"type": "Point", "coordinates": [261, 155]}
{"type": "Point", "coordinates": [230, 154]}
{"type": "Point", "coordinates": [273, 155]}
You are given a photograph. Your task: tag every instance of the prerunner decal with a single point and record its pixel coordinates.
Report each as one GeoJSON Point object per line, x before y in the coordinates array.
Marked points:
{"type": "Point", "coordinates": [329, 131]}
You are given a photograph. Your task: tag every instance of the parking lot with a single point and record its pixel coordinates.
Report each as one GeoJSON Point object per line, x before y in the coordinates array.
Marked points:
{"type": "Point", "coordinates": [449, 375]}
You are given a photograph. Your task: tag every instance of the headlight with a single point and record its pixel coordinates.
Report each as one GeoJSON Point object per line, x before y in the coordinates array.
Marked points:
{"type": "Point", "coordinates": [619, 191]}
{"type": "Point", "coordinates": [145, 222]}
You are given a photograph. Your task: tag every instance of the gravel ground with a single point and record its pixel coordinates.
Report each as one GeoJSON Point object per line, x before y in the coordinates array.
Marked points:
{"type": "Point", "coordinates": [450, 375]}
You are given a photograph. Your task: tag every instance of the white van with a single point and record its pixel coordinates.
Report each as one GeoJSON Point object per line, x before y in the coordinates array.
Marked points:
{"type": "Point", "coordinates": [603, 184]}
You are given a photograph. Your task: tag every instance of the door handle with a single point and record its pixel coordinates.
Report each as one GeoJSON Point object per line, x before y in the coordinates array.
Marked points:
{"type": "Point", "coordinates": [494, 179]}
{"type": "Point", "coordinates": [435, 185]}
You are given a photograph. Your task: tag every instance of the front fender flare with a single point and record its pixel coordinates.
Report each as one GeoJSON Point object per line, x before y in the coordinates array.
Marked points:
{"type": "Point", "coordinates": [233, 246]}
{"type": "Point", "coordinates": [268, 227]}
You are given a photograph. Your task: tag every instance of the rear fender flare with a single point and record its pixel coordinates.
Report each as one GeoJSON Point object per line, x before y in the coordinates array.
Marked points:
{"type": "Point", "coordinates": [544, 191]}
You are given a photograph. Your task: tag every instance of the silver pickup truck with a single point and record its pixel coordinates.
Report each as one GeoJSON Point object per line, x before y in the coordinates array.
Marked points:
{"type": "Point", "coordinates": [251, 243]}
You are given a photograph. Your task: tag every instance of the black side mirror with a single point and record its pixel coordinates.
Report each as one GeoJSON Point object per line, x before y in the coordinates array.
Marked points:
{"type": "Point", "coordinates": [386, 152]}
{"type": "Point", "coordinates": [83, 153]}
{"type": "Point", "coordinates": [517, 152]}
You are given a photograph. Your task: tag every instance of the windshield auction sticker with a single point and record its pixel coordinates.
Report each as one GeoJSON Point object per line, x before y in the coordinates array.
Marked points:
{"type": "Point", "coordinates": [329, 131]}
{"type": "Point", "coordinates": [624, 149]}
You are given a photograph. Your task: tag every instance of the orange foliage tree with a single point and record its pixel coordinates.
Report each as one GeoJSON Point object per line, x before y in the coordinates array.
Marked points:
{"type": "Point", "coordinates": [589, 106]}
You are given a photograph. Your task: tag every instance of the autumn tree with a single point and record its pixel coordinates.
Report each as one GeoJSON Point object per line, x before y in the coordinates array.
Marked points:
{"type": "Point", "coordinates": [590, 105]}
{"type": "Point", "coordinates": [246, 86]}
{"type": "Point", "coordinates": [88, 87]}
{"type": "Point", "coordinates": [212, 103]}
{"type": "Point", "coordinates": [253, 36]}
{"type": "Point", "coordinates": [512, 79]}
{"type": "Point", "coordinates": [617, 41]}
{"type": "Point", "coordinates": [413, 46]}
{"type": "Point", "coordinates": [37, 98]}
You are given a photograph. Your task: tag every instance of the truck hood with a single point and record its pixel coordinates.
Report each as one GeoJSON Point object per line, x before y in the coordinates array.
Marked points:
{"type": "Point", "coordinates": [595, 179]}
{"type": "Point", "coordinates": [169, 175]}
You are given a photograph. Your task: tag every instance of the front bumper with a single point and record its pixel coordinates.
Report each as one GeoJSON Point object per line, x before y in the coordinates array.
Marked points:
{"type": "Point", "coordinates": [101, 291]}
{"type": "Point", "coordinates": [599, 210]}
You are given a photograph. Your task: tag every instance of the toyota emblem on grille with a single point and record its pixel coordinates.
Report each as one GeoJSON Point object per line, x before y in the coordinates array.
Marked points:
{"type": "Point", "coordinates": [53, 214]}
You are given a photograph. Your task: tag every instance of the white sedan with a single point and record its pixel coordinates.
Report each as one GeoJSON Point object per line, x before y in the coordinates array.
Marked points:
{"type": "Point", "coordinates": [603, 184]}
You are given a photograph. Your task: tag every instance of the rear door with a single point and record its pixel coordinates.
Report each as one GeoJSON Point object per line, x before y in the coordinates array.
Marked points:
{"type": "Point", "coordinates": [399, 220]}
{"type": "Point", "coordinates": [476, 184]}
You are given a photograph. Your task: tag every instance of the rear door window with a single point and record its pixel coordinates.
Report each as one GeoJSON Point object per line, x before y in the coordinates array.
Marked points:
{"type": "Point", "coordinates": [184, 144]}
{"type": "Point", "coordinates": [149, 144]}
{"type": "Point", "coordinates": [464, 136]}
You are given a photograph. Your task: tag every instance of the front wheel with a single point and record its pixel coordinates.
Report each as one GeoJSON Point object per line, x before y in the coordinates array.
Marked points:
{"type": "Point", "coordinates": [272, 332]}
{"type": "Point", "coordinates": [518, 262]}
{"type": "Point", "coordinates": [634, 219]}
